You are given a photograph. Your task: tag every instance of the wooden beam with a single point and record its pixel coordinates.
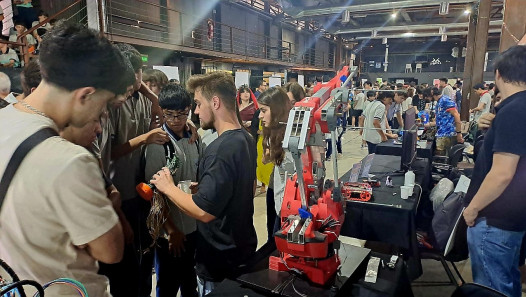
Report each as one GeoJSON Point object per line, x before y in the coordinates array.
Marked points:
{"type": "Point", "coordinates": [514, 26]}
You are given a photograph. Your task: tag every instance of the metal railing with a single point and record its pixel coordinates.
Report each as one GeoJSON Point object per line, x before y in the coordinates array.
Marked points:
{"type": "Point", "coordinates": [153, 22]}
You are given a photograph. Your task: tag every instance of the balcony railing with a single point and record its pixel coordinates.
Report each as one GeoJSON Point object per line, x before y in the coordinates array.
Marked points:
{"type": "Point", "coordinates": [152, 22]}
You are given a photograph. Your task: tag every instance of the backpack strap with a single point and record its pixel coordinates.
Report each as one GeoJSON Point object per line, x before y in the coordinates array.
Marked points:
{"type": "Point", "coordinates": [19, 155]}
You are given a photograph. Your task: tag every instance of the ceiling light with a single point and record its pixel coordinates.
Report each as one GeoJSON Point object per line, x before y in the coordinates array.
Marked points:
{"type": "Point", "coordinates": [393, 15]}
{"type": "Point", "coordinates": [299, 28]}
{"type": "Point", "coordinates": [467, 11]}
{"type": "Point", "coordinates": [444, 8]}
{"type": "Point", "coordinates": [408, 34]}
{"type": "Point", "coordinates": [347, 46]}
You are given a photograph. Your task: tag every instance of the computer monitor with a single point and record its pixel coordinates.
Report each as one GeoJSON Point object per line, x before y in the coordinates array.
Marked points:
{"type": "Point", "coordinates": [408, 150]}
{"type": "Point", "coordinates": [410, 117]}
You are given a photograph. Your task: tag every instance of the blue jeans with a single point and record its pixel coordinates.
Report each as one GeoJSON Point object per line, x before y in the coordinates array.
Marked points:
{"type": "Point", "coordinates": [494, 255]}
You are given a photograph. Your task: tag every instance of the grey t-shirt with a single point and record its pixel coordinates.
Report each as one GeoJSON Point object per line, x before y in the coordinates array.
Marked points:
{"type": "Point", "coordinates": [374, 110]}
{"type": "Point", "coordinates": [359, 101]}
{"type": "Point", "coordinates": [9, 55]}
{"type": "Point", "coordinates": [189, 155]}
{"type": "Point", "coordinates": [129, 121]}
{"type": "Point", "coordinates": [486, 98]}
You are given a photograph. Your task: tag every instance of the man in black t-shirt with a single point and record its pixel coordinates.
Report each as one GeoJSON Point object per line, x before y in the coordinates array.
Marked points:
{"type": "Point", "coordinates": [496, 204]}
{"type": "Point", "coordinates": [224, 201]}
{"type": "Point", "coordinates": [418, 100]}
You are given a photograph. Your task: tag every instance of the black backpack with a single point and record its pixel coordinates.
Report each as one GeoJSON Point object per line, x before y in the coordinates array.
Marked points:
{"type": "Point", "coordinates": [18, 156]}
{"type": "Point", "coordinates": [449, 214]}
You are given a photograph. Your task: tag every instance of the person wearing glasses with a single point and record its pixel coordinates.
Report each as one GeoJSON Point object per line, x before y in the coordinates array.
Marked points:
{"type": "Point", "coordinates": [174, 253]}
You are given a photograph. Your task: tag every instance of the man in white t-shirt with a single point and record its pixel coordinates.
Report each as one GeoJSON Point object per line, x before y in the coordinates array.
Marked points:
{"type": "Point", "coordinates": [484, 101]}
{"type": "Point", "coordinates": [374, 121]}
{"type": "Point", "coordinates": [359, 100]}
{"type": "Point", "coordinates": [446, 88]}
{"type": "Point", "coordinates": [56, 220]}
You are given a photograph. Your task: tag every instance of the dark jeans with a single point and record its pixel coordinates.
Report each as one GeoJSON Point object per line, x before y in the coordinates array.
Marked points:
{"type": "Point", "coordinates": [371, 147]}
{"type": "Point", "coordinates": [132, 276]}
{"type": "Point", "coordinates": [27, 15]}
{"type": "Point", "coordinates": [271, 214]}
{"type": "Point", "coordinates": [341, 122]}
{"type": "Point", "coordinates": [174, 273]}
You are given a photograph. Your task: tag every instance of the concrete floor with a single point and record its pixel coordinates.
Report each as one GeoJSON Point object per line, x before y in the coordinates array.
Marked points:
{"type": "Point", "coordinates": [353, 153]}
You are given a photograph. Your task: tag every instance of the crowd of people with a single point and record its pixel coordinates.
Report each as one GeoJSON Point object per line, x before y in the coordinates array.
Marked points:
{"type": "Point", "coordinates": [17, 18]}
{"type": "Point", "coordinates": [71, 208]}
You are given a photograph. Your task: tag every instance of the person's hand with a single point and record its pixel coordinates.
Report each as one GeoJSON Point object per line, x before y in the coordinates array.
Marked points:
{"type": "Point", "coordinates": [485, 120]}
{"type": "Point", "coordinates": [127, 230]}
{"type": "Point", "coordinates": [460, 139]}
{"type": "Point", "coordinates": [247, 124]}
{"type": "Point", "coordinates": [193, 130]}
{"type": "Point", "coordinates": [260, 132]}
{"type": "Point", "coordinates": [471, 111]}
{"type": "Point", "coordinates": [163, 180]}
{"type": "Point", "coordinates": [158, 136]}
{"type": "Point", "coordinates": [470, 214]}
{"type": "Point", "coordinates": [176, 241]}
{"type": "Point", "coordinates": [384, 138]}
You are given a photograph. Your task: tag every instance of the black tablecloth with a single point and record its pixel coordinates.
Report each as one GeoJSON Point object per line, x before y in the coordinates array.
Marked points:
{"type": "Point", "coordinates": [390, 282]}
{"type": "Point", "coordinates": [392, 149]}
{"type": "Point", "coordinates": [353, 265]}
{"type": "Point", "coordinates": [388, 218]}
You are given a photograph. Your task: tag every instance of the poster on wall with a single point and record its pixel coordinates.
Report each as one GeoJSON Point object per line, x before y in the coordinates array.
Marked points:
{"type": "Point", "coordinates": [379, 80]}
{"type": "Point", "coordinates": [274, 81]}
{"type": "Point", "coordinates": [301, 80]}
{"type": "Point", "coordinates": [436, 82]}
{"type": "Point", "coordinates": [400, 81]}
{"type": "Point", "coordinates": [172, 72]}
{"type": "Point", "coordinates": [242, 78]}
{"type": "Point", "coordinates": [378, 65]}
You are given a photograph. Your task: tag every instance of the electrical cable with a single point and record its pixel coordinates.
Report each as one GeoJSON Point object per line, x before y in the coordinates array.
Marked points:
{"type": "Point", "coordinates": [419, 196]}
{"type": "Point", "coordinates": [295, 290]}
{"type": "Point", "coordinates": [78, 286]}
{"type": "Point", "coordinates": [13, 276]}
{"type": "Point", "coordinates": [19, 284]}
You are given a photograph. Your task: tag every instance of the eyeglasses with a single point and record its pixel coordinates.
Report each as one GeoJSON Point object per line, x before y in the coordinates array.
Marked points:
{"type": "Point", "coordinates": [171, 117]}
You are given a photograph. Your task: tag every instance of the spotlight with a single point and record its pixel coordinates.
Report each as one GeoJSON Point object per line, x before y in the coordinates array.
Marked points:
{"type": "Point", "coordinates": [444, 8]}
{"type": "Point", "coordinates": [393, 15]}
{"type": "Point", "coordinates": [467, 11]}
{"type": "Point", "coordinates": [298, 28]}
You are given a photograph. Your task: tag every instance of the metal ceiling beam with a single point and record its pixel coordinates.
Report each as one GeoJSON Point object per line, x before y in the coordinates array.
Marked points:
{"type": "Point", "coordinates": [414, 35]}
{"type": "Point", "coordinates": [371, 7]}
{"type": "Point", "coordinates": [411, 27]}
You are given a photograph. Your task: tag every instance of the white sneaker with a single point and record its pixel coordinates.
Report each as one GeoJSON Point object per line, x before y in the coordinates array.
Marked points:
{"type": "Point", "coordinates": [340, 155]}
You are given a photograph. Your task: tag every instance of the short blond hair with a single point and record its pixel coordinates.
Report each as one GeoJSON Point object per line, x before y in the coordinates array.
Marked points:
{"type": "Point", "coordinates": [218, 84]}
